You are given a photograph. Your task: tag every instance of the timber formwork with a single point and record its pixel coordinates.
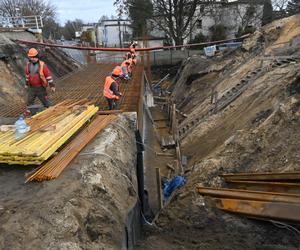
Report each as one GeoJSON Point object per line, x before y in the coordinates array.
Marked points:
{"type": "Point", "coordinates": [87, 84]}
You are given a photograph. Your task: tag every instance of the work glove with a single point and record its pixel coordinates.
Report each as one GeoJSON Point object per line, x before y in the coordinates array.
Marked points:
{"type": "Point", "coordinates": [52, 89]}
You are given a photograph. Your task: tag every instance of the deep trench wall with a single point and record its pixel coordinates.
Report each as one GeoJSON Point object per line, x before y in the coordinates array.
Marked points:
{"type": "Point", "coordinates": [198, 77]}
{"type": "Point", "coordinates": [14, 59]}
{"type": "Point", "coordinates": [258, 132]}
{"type": "Point", "coordinates": [264, 97]}
{"type": "Point", "coordinates": [92, 205]}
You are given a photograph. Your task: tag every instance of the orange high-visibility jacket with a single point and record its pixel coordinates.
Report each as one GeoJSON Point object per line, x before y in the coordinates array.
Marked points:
{"type": "Point", "coordinates": [106, 91]}
{"type": "Point", "coordinates": [125, 66]}
{"type": "Point", "coordinates": [130, 66]}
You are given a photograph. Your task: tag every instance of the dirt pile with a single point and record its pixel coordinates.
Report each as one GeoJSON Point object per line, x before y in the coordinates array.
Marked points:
{"type": "Point", "coordinates": [86, 208]}
{"type": "Point", "coordinates": [254, 126]}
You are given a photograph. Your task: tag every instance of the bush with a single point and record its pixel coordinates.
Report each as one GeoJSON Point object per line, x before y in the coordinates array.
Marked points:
{"type": "Point", "coordinates": [218, 32]}
{"type": "Point", "coordinates": [244, 31]}
{"type": "Point", "coordinates": [199, 38]}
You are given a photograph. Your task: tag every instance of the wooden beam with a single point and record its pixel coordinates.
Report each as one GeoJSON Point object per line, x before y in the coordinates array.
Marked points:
{"type": "Point", "coordinates": [157, 84]}
{"type": "Point", "coordinates": [109, 112]}
{"type": "Point", "coordinates": [53, 168]}
{"type": "Point", "coordinates": [164, 154]}
{"type": "Point", "coordinates": [170, 167]}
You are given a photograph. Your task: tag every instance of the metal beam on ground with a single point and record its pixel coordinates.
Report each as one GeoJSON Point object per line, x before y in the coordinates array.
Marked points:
{"type": "Point", "coordinates": [262, 176]}
{"type": "Point", "coordinates": [260, 209]}
{"type": "Point", "coordinates": [280, 187]}
{"type": "Point", "coordinates": [248, 195]}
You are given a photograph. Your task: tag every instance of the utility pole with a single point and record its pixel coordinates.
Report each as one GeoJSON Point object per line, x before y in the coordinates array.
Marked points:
{"type": "Point", "coordinates": [120, 37]}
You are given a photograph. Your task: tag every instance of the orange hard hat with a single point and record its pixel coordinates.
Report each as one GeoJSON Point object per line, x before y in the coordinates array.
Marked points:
{"type": "Point", "coordinates": [117, 71]}
{"type": "Point", "coordinates": [32, 52]}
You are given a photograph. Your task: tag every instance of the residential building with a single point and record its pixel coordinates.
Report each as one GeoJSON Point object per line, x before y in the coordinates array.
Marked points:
{"type": "Point", "coordinates": [114, 33]}
{"type": "Point", "coordinates": [232, 15]}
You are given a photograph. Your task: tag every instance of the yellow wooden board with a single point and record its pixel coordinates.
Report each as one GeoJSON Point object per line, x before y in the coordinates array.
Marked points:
{"type": "Point", "coordinates": [39, 145]}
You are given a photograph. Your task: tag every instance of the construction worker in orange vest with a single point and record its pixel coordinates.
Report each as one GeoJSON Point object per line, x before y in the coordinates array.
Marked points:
{"type": "Point", "coordinates": [127, 56]}
{"type": "Point", "coordinates": [125, 66]}
{"type": "Point", "coordinates": [38, 78]}
{"type": "Point", "coordinates": [133, 56]}
{"type": "Point", "coordinates": [111, 87]}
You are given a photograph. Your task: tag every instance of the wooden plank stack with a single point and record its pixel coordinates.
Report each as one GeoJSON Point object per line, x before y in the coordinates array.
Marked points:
{"type": "Point", "coordinates": [54, 167]}
{"type": "Point", "coordinates": [50, 129]}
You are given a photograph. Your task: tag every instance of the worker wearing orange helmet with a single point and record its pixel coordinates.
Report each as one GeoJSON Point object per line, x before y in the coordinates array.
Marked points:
{"type": "Point", "coordinates": [38, 78]}
{"type": "Point", "coordinates": [111, 87]}
{"type": "Point", "coordinates": [133, 44]}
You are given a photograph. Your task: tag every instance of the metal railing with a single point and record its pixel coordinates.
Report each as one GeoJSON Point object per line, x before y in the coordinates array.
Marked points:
{"type": "Point", "coordinates": [26, 22]}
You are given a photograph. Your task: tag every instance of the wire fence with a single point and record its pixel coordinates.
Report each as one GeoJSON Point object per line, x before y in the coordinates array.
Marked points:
{"type": "Point", "coordinates": [156, 58]}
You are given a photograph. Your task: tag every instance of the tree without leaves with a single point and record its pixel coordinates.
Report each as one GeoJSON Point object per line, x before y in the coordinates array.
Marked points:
{"type": "Point", "coordinates": [52, 29]}
{"type": "Point", "coordinates": [248, 19]}
{"type": "Point", "coordinates": [139, 11]}
{"type": "Point", "coordinates": [175, 17]}
{"type": "Point", "coordinates": [8, 7]}
{"type": "Point", "coordinates": [293, 7]}
{"type": "Point", "coordinates": [279, 5]}
{"type": "Point", "coordinates": [279, 8]}
{"type": "Point", "coordinates": [13, 8]}
{"type": "Point", "coordinates": [70, 27]}
{"type": "Point", "coordinates": [28, 8]}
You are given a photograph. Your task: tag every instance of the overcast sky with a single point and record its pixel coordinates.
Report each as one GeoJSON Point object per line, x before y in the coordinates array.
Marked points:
{"type": "Point", "coordinates": [87, 10]}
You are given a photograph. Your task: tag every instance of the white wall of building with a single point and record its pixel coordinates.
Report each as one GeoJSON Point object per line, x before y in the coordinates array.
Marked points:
{"type": "Point", "coordinates": [230, 15]}
{"type": "Point", "coordinates": [109, 33]}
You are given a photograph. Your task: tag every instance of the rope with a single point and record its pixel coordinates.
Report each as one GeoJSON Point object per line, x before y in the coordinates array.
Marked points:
{"type": "Point", "coordinates": [285, 226]}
